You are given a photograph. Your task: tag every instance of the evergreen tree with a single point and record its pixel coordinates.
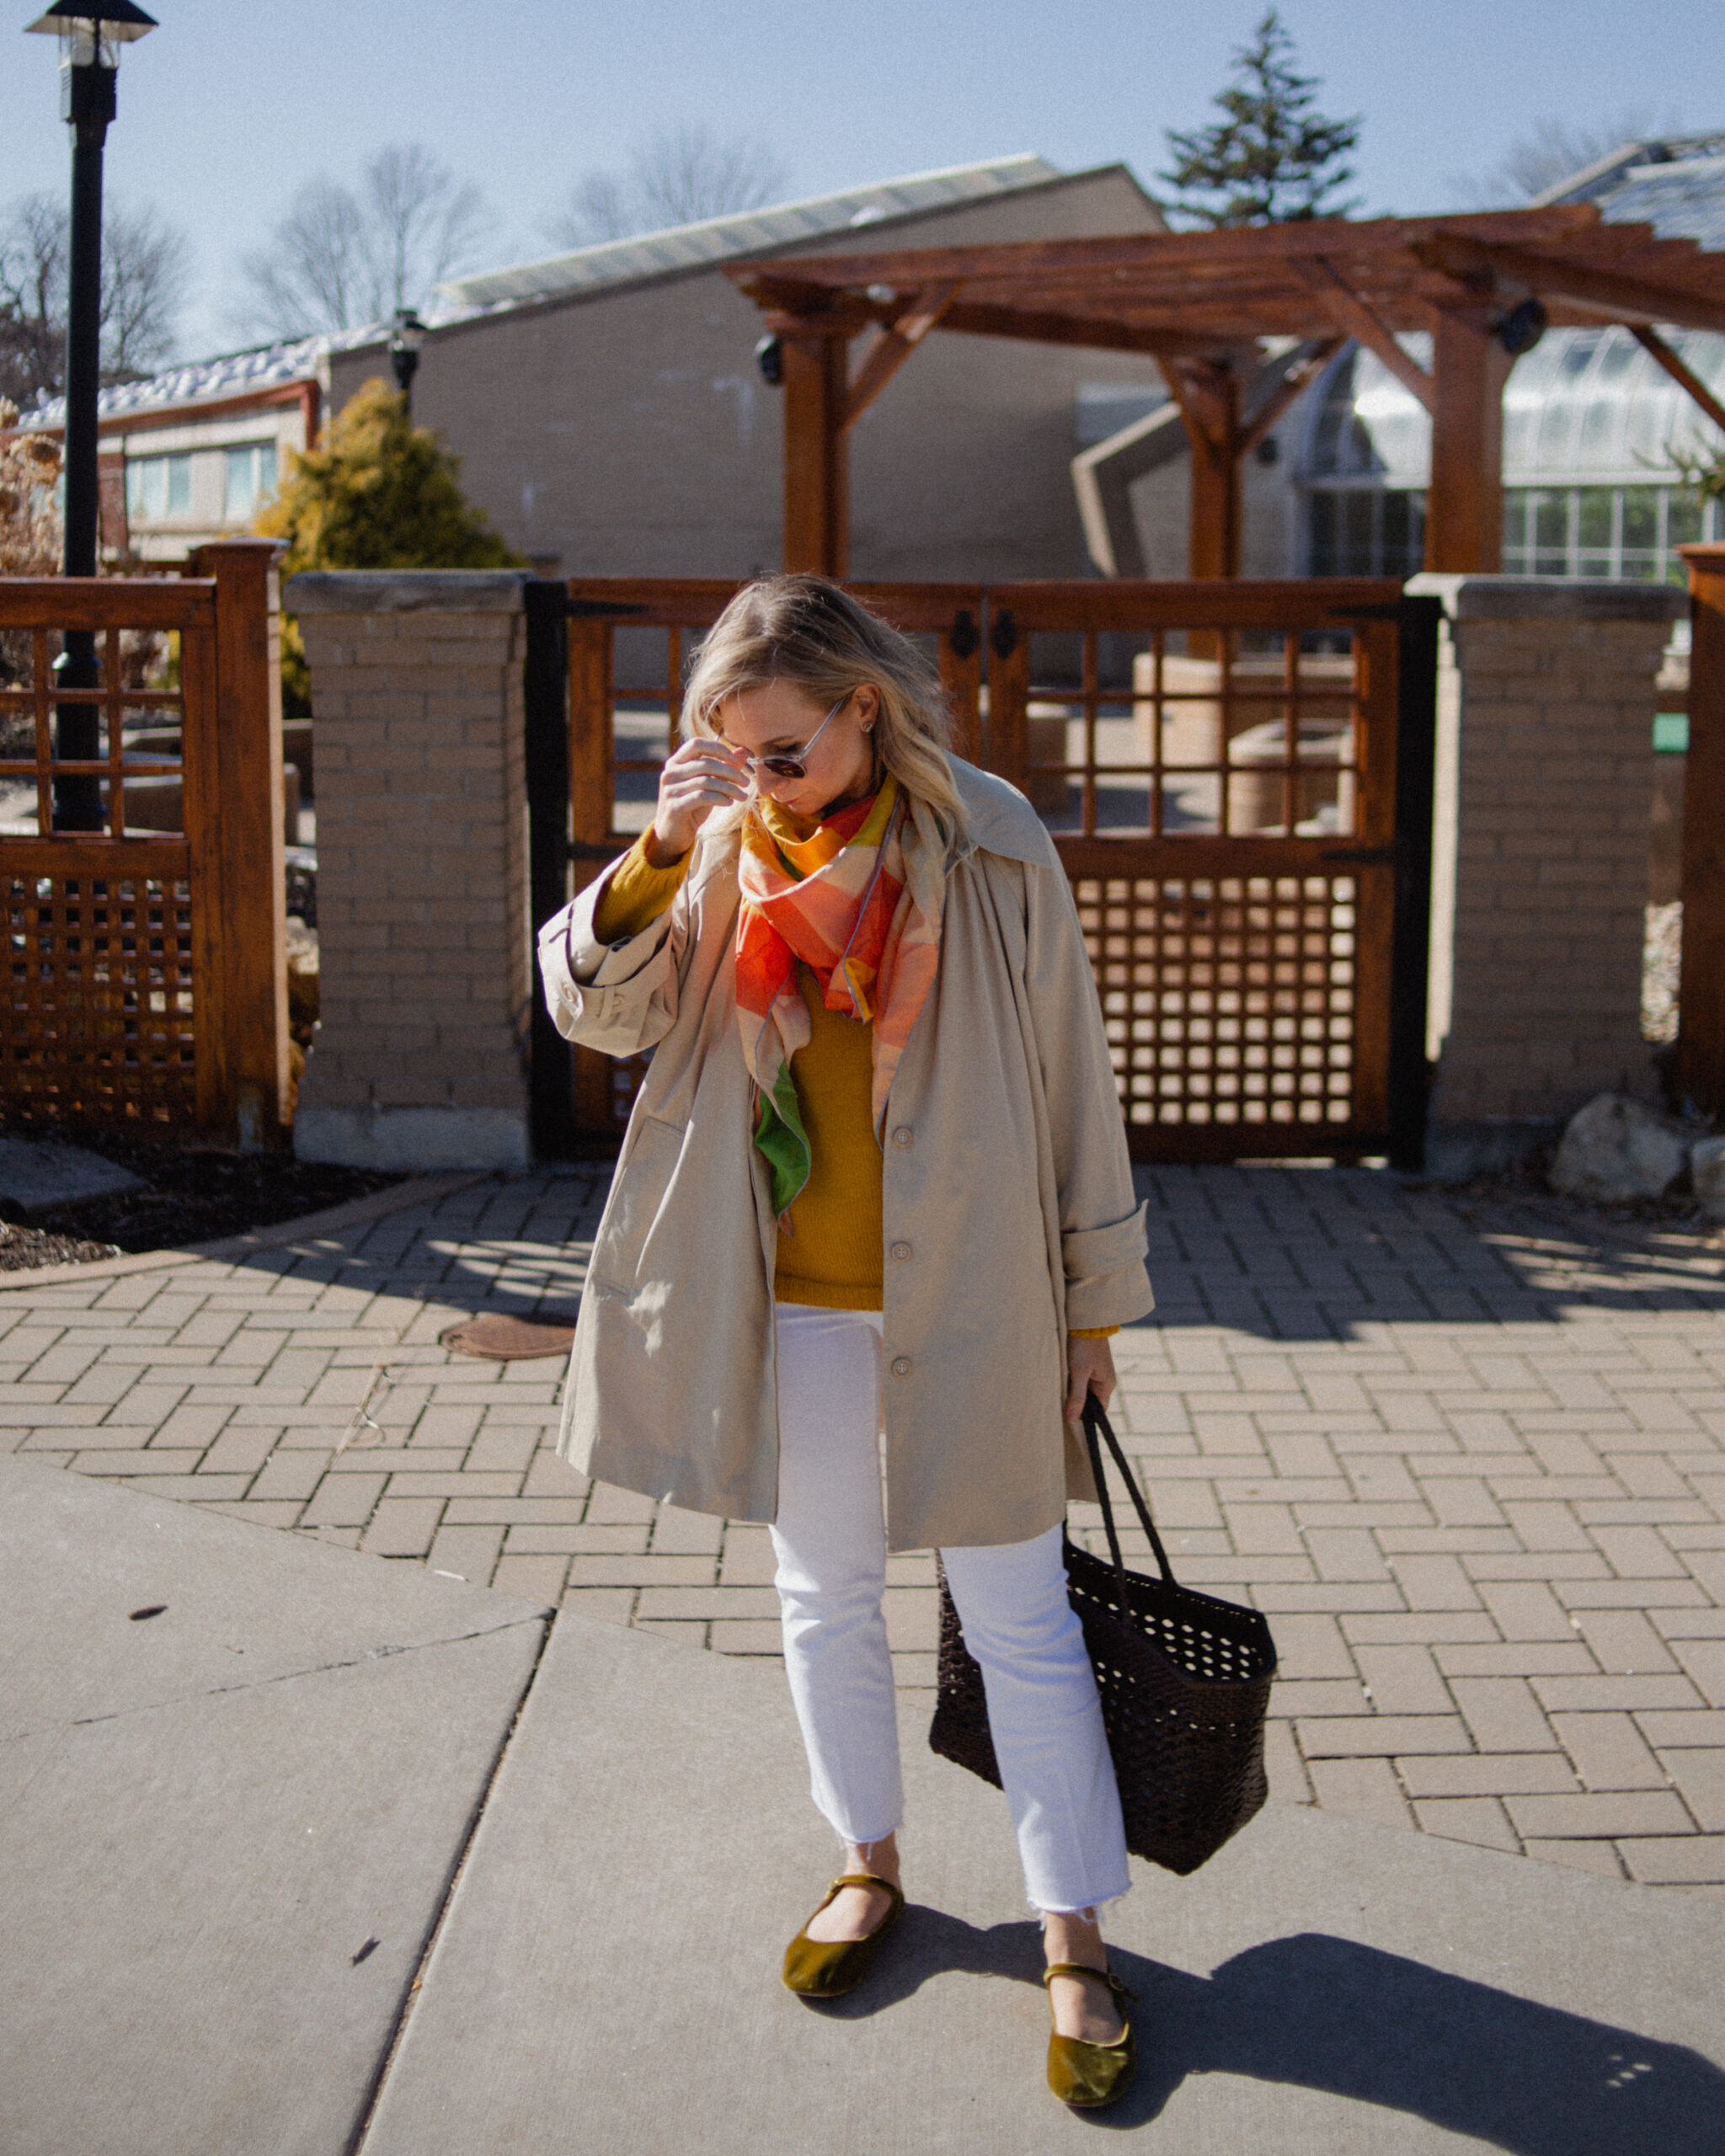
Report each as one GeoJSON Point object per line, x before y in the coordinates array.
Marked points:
{"type": "Point", "coordinates": [1272, 160]}
{"type": "Point", "coordinates": [378, 493]}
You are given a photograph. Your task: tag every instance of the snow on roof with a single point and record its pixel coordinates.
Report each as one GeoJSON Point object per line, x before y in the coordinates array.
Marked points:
{"type": "Point", "coordinates": [748, 232]}
{"type": "Point", "coordinates": [203, 381]}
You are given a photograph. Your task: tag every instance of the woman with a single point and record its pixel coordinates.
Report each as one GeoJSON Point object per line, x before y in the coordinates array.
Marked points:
{"type": "Point", "coordinates": [873, 1212]}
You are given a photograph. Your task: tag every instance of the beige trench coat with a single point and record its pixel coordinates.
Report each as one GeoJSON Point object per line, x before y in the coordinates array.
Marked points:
{"type": "Point", "coordinates": [1009, 1207]}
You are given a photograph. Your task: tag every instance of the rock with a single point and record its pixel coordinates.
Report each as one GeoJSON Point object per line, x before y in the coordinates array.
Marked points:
{"type": "Point", "coordinates": [1707, 1162]}
{"type": "Point", "coordinates": [38, 1175]}
{"type": "Point", "coordinates": [1617, 1148]}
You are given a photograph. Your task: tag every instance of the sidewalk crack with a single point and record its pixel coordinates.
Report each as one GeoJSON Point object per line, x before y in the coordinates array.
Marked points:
{"type": "Point", "coordinates": [287, 1676]}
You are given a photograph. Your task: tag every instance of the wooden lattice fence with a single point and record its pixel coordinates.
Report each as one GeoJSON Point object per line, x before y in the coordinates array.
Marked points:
{"type": "Point", "coordinates": [145, 978]}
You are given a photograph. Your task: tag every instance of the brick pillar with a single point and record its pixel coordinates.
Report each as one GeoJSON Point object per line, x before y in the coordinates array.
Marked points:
{"type": "Point", "coordinates": [1540, 870]}
{"type": "Point", "coordinates": [419, 1060]}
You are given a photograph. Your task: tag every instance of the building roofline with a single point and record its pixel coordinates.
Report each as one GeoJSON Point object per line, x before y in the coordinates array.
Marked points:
{"type": "Point", "coordinates": [710, 229]}
{"type": "Point", "coordinates": [585, 295]}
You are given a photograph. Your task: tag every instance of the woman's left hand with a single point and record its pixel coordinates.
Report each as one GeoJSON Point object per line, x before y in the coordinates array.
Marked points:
{"type": "Point", "coordinates": [1090, 1368]}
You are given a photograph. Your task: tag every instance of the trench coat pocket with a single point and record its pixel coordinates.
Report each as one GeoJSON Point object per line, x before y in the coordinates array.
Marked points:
{"type": "Point", "coordinates": [638, 1196]}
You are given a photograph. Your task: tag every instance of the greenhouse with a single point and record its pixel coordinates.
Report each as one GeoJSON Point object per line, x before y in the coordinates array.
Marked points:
{"type": "Point", "coordinates": [1596, 436]}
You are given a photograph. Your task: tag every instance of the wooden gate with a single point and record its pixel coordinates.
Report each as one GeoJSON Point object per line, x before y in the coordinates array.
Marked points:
{"type": "Point", "coordinates": [146, 973]}
{"type": "Point", "coordinates": [1238, 780]}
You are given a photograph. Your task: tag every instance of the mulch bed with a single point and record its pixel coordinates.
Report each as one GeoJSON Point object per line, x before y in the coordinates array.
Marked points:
{"type": "Point", "coordinates": [190, 1194]}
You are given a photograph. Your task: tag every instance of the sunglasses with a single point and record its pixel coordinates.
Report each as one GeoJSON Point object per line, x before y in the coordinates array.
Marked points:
{"type": "Point", "coordinates": [785, 765]}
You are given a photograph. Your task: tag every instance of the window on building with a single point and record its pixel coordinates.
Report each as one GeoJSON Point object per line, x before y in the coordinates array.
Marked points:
{"type": "Point", "coordinates": [1627, 534]}
{"type": "Point", "coordinates": [1365, 531]}
{"type": "Point", "coordinates": [158, 487]}
{"type": "Point", "coordinates": [249, 479]}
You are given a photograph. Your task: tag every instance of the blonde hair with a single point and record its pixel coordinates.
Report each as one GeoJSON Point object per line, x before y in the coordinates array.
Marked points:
{"type": "Point", "coordinates": [814, 635]}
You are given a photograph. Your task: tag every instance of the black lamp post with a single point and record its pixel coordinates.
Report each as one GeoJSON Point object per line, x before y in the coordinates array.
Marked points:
{"type": "Point", "coordinates": [404, 343]}
{"type": "Point", "coordinates": [89, 60]}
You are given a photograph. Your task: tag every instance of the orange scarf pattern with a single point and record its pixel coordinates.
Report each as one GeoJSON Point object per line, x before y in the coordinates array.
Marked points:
{"type": "Point", "coordinates": [847, 903]}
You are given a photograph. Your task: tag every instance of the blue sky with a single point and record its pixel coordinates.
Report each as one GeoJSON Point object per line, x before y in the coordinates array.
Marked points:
{"type": "Point", "coordinates": [232, 103]}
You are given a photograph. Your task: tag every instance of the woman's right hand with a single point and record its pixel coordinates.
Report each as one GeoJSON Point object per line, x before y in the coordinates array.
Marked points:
{"type": "Point", "coordinates": [701, 775]}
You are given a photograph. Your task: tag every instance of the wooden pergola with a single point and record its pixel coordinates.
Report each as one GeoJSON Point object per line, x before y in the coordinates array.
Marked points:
{"type": "Point", "coordinates": [1199, 303]}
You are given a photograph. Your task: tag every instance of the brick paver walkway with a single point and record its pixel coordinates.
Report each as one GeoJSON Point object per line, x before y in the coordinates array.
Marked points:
{"type": "Point", "coordinates": [1470, 1457]}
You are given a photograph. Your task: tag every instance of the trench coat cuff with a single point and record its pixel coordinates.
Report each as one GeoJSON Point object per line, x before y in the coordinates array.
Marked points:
{"type": "Point", "coordinates": [1106, 1280]}
{"type": "Point", "coordinates": [590, 982]}
{"type": "Point", "coordinates": [1085, 1251]}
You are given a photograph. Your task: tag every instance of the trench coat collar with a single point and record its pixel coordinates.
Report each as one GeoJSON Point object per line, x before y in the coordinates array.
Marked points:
{"type": "Point", "coordinates": [997, 819]}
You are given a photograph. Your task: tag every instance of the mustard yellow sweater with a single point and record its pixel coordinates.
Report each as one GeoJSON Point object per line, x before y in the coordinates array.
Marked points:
{"type": "Point", "coordinates": [830, 1243]}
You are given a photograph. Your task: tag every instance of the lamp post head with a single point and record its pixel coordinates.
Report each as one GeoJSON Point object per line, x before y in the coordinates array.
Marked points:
{"type": "Point", "coordinates": [90, 39]}
{"type": "Point", "coordinates": [91, 36]}
{"type": "Point", "coordinates": [406, 337]}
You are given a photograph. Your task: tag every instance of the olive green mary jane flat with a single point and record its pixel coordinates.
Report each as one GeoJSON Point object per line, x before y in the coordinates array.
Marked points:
{"type": "Point", "coordinates": [828, 1969]}
{"type": "Point", "coordinates": [1089, 2076]}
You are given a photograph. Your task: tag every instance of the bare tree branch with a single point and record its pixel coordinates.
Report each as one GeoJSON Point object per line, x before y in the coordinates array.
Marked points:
{"type": "Point", "coordinates": [145, 271]}
{"type": "Point", "coordinates": [421, 224]}
{"type": "Point", "coordinates": [677, 178]}
{"type": "Point", "coordinates": [343, 257]}
{"type": "Point", "coordinates": [1552, 149]}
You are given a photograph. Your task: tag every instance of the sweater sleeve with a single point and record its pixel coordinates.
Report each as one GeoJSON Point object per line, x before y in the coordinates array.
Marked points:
{"type": "Point", "coordinates": [636, 894]}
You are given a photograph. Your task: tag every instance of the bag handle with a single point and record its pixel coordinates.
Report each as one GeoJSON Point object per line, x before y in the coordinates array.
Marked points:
{"type": "Point", "coordinates": [1094, 1419]}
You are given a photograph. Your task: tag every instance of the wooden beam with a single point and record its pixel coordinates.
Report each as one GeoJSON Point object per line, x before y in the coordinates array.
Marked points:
{"type": "Point", "coordinates": [816, 454]}
{"type": "Point", "coordinates": [792, 303]}
{"type": "Point", "coordinates": [1464, 516]}
{"type": "Point", "coordinates": [1361, 320]}
{"type": "Point", "coordinates": [247, 833]}
{"type": "Point", "coordinates": [1617, 296]}
{"type": "Point", "coordinates": [1655, 345]}
{"type": "Point", "coordinates": [809, 306]}
{"type": "Point", "coordinates": [1033, 260]}
{"type": "Point", "coordinates": [1095, 333]}
{"type": "Point", "coordinates": [1701, 991]}
{"type": "Point", "coordinates": [1209, 397]}
{"type": "Point", "coordinates": [1292, 386]}
{"type": "Point", "coordinates": [896, 342]}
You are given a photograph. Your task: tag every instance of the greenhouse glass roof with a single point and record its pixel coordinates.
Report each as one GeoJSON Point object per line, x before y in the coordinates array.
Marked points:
{"type": "Point", "coordinates": [1585, 406]}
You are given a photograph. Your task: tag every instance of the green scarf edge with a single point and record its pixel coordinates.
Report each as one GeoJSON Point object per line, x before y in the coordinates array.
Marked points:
{"type": "Point", "coordinates": [783, 1142]}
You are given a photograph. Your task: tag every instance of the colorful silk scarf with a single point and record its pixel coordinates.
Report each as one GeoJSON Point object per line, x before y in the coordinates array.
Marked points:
{"type": "Point", "coordinates": [859, 902]}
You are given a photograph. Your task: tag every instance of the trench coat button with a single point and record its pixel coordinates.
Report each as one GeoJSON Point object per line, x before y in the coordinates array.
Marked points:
{"type": "Point", "coordinates": [901, 1366]}
{"type": "Point", "coordinates": [902, 1135]}
{"type": "Point", "coordinates": [901, 1249]}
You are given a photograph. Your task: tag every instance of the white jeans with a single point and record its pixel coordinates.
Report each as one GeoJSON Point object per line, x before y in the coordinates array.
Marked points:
{"type": "Point", "coordinates": [830, 1539]}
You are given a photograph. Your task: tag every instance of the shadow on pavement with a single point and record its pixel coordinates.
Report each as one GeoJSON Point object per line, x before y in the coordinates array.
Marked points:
{"type": "Point", "coordinates": [1290, 1253]}
{"type": "Point", "coordinates": [1330, 2014]}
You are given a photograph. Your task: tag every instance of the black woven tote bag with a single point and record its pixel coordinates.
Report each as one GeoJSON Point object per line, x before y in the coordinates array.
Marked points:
{"type": "Point", "coordinates": [1184, 1679]}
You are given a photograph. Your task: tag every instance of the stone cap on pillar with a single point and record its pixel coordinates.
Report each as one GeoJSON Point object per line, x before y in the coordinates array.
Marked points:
{"type": "Point", "coordinates": [402, 591]}
{"type": "Point", "coordinates": [1549, 598]}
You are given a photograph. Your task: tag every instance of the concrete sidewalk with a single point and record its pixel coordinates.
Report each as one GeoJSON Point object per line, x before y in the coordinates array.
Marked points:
{"type": "Point", "coordinates": [1470, 1457]}
{"type": "Point", "coordinates": [225, 1923]}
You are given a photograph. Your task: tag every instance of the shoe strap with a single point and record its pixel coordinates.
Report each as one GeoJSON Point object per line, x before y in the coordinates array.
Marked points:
{"type": "Point", "coordinates": [862, 1878]}
{"type": "Point", "coordinates": [1084, 1969]}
